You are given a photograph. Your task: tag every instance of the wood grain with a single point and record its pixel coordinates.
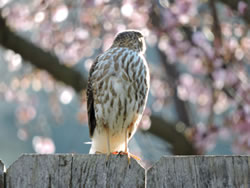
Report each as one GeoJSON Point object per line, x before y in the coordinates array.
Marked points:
{"type": "Point", "coordinates": [200, 172]}
{"type": "Point", "coordinates": [94, 171]}
{"type": "Point", "coordinates": [73, 170]}
{"type": "Point", "coordinates": [40, 171]}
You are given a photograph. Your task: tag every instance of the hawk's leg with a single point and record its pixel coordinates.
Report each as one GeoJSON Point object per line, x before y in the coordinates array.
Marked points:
{"type": "Point", "coordinates": [126, 141]}
{"type": "Point", "coordinates": [108, 144]}
{"type": "Point", "coordinates": [108, 141]}
{"type": "Point", "coordinates": [126, 145]}
{"type": "Point", "coordinates": [125, 152]}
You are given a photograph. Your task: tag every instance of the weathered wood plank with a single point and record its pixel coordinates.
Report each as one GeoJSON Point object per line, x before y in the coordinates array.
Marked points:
{"type": "Point", "coordinates": [32, 170]}
{"type": "Point", "coordinates": [74, 171]}
{"type": "Point", "coordinates": [1, 174]}
{"type": "Point", "coordinates": [200, 172]}
{"type": "Point", "coordinates": [96, 171]}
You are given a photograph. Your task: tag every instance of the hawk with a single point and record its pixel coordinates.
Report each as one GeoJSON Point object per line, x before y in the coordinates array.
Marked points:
{"type": "Point", "coordinates": [117, 92]}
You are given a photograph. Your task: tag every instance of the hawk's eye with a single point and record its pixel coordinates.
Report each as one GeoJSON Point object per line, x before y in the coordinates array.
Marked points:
{"type": "Point", "coordinates": [140, 40]}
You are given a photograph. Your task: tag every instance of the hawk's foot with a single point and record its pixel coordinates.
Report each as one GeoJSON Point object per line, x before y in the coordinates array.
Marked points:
{"type": "Point", "coordinates": [126, 153]}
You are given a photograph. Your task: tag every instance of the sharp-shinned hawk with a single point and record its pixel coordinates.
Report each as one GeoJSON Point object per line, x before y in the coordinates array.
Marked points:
{"type": "Point", "coordinates": [118, 86]}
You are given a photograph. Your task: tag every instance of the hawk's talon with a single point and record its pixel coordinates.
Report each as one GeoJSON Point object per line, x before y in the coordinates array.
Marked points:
{"type": "Point", "coordinates": [135, 157]}
{"type": "Point", "coordinates": [123, 153]}
{"type": "Point", "coordinates": [126, 153]}
{"type": "Point", "coordinates": [115, 153]}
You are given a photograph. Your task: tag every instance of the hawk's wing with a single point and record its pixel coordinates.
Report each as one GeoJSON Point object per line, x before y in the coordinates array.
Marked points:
{"type": "Point", "coordinates": [90, 101]}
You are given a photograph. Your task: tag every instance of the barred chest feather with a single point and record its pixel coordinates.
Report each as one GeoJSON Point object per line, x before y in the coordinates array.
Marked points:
{"type": "Point", "coordinates": [120, 84]}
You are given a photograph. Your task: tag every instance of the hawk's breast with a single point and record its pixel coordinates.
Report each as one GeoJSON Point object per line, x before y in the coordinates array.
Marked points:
{"type": "Point", "coordinates": [120, 85]}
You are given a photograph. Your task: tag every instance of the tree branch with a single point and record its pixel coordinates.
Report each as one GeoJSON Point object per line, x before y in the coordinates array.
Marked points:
{"type": "Point", "coordinates": [171, 71]}
{"type": "Point", "coordinates": [40, 58]}
{"type": "Point", "coordinates": [173, 76]}
{"type": "Point", "coordinates": [216, 25]}
{"type": "Point", "coordinates": [167, 131]}
{"type": "Point", "coordinates": [46, 61]}
{"type": "Point", "coordinates": [233, 4]}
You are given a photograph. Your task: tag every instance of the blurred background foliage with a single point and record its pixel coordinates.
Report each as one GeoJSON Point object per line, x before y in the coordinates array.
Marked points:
{"type": "Point", "coordinates": [198, 53]}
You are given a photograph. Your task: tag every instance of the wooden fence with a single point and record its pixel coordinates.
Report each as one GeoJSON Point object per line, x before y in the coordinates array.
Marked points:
{"type": "Point", "coordinates": [75, 170]}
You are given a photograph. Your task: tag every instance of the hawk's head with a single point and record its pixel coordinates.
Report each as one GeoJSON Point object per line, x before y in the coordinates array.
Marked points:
{"type": "Point", "coordinates": [131, 39]}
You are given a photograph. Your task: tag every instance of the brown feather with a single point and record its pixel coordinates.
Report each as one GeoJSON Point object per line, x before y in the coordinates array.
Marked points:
{"type": "Point", "coordinates": [90, 101]}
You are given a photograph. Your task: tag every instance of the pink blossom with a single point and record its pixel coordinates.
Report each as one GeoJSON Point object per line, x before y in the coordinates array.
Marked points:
{"type": "Point", "coordinates": [43, 145]}
{"type": "Point", "coordinates": [242, 7]}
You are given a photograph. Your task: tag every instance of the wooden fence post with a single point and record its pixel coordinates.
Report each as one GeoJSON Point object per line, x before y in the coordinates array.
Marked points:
{"type": "Point", "coordinates": [73, 170]}
{"type": "Point", "coordinates": [95, 170]}
{"type": "Point", "coordinates": [200, 172]}
{"type": "Point", "coordinates": [39, 171]}
{"type": "Point", "coordinates": [1, 174]}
